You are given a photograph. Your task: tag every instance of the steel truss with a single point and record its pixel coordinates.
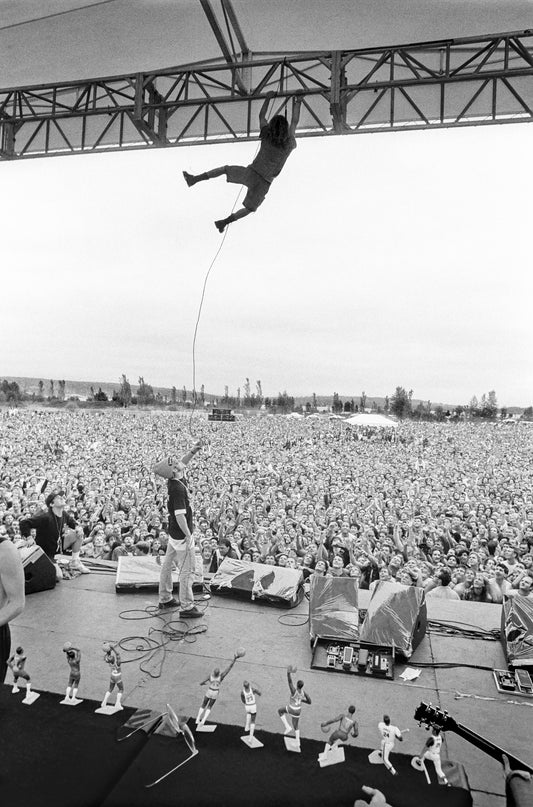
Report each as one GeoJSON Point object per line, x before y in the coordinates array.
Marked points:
{"type": "Point", "coordinates": [449, 83]}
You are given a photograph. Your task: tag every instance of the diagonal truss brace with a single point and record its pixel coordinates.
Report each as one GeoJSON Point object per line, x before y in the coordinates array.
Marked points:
{"type": "Point", "coordinates": [465, 82]}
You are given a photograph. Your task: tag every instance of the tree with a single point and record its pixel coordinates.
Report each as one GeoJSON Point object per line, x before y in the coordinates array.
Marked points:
{"type": "Point", "coordinates": [314, 402]}
{"type": "Point", "coordinates": [100, 395]}
{"type": "Point", "coordinates": [491, 406]}
{"type": "Point", "coordinates": [247, 392]}
{"type": "Point", "coordinates": [337, 403]}
{"type": "Point", "coordinates": [439, 413]}
{"type": "Point", "coordinates": [400, 404]}
{"type": "Point", "coordinates": [527, 414]}
{"type": "Point", "coordinates": [173, 395]}
{"type": "Point", "coordinates": [51, 388]}
{"type": "Point", "coordinates": [386, 404]}
{"type": "Point", "coordinates": [124, 395]}
{"type": "Point", "coordinates": [202, 394]}
{"type": "Point", "coordinates": [362, 401]}
{"type": "Point", "coordinates": [284, 402]}
{"type": "Point", "coordinates": [145, 393]}
{"type": "Point", "coordinates": [10, 391]}
{"type": "Point", "coordinates": [61, 390]}
{"type": "Point", "coordinates": [184, 395]}
{"type": "Point", "coordinates": [41, 388]}
{"type": "Point", "coordinates": [259, 393]}
{"type": "Point", "coordinates": [473, 407]}
{"type": "Point", "coordinates": [226, 394]}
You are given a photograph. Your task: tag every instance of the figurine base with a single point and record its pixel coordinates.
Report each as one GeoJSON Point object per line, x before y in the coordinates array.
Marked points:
{"type": "Point", "coordinates": [376, 758]}
{"type": "Point", "coordinates": [292, 744]}
{"type": "Point", "coordinates": [108, 710]}
{"type": "Point", "coordinates": [30, 698]}
{"type": "Point", "coordinates": [70, 702]}
{"type": "Point", "coordinates": [207, 728]}
{"type": "Point", "coordinates": [417, 764]}
{"type": "Point", "coordinates": [252, 742]}
{"type": "Point", "coordinates": [332, 757]}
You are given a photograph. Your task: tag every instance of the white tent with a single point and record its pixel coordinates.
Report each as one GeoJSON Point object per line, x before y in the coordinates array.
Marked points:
{"type": "Point", "coordinates": [373, 420]}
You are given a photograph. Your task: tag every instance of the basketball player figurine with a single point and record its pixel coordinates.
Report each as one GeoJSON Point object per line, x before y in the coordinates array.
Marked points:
{"type": "Point", "coordinates": [16, 662]}
{"type": "Point", "coordinates": [248, 693]}
{"type": "Point", "coordinates": [112, 658]}
{"type": "Point", "coordinates": [293, 710]}
{"type": "Point", "coordinates": [74, 659]}
{"type": "Point", "coordinates": [347, 725]}
{"type": "Point", "coordinates": [431, 751]}
{"type": "Point", "coordinates": [214, 680]}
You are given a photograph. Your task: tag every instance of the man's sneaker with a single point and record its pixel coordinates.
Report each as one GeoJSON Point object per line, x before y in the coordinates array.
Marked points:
{"type": "Point", "coordinates": [77, 566]}
{"type": "Point", "coordinates": [164, 606]}
{"type": "Point", "coordinates": [192, 613]}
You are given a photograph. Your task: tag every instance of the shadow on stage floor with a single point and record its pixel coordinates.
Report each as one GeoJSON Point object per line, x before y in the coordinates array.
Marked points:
{"type": "Point", "coordinates": [65, 756]}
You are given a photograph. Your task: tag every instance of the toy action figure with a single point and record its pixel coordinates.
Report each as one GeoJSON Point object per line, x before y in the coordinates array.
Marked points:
{"type": "Point", "coordinates": [16, 663]}
{"type": "Point", "coordinates": [73, 659]}
{"type": "Point", "coordinates": [214, 679]}
{"type": "Point", "coordinates": [431, 751]}
{"type": "Point", "coordinates": [248, 694]}
{"type": "Point", "coordinates": [112, 658]}
{"type": "Point", "coordinates": [388, 735]}
{"type": "Point", "coordinates": [347, 723]}
{"type": "Point", "coordinates": [294, 708]}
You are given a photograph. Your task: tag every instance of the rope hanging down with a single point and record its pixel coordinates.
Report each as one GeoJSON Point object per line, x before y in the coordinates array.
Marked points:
{"type": "Point", "coordinates": [204, 287]}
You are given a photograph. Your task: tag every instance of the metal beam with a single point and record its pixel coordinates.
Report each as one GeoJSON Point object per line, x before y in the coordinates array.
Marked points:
{"type": "Point", "coordinates": [228, 51]}
{"type": "Point", "coordinates": [451, 83]}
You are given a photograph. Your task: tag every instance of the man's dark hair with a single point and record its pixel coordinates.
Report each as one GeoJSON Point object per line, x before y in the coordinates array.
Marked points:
{"type": "Point", "coordinates": [445, 577]}
{"type": "Point", "coordinates": [277, 131]}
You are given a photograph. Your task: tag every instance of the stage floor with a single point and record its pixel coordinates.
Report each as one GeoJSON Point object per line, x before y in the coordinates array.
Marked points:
{"type": "Point", "coordinates": [86, 611]}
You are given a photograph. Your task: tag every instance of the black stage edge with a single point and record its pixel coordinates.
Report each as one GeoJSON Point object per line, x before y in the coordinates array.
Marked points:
{"type": "Point", "coordinates": [69, 757]}
{"type": "Point", "coordinates": [60, 756]}
{"type": "Point", "coordinates": [226, 773]}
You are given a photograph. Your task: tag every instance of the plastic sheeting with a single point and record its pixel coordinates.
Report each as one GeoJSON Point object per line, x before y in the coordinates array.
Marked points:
{"type": "Point", "coordinates": [333, 612]}
{"type": "Point", "coordinates": [260, 581]}
{"type": "Point", "coordinates": [517, 631]}
{"type": "Point", "coordinates": [393, 616]}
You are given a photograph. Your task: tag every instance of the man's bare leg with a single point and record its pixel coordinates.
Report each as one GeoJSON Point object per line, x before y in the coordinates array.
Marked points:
{"type": "Point", "coordinates": [192, 179]}
{"type": "Point", "coordinates": [240, 214]}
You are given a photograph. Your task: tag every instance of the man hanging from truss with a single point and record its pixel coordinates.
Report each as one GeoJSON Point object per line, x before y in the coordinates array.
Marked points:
{"type": "Point", "coordinates": [277, 142]}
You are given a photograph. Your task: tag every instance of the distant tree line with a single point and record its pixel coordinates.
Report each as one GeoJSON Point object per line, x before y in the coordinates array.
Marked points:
{"type": "Point", "coordinates": [400, 404]}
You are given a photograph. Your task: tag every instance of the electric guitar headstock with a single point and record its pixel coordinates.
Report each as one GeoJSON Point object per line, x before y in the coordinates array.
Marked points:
{"type": "Point", "coordinates": [434, 716]}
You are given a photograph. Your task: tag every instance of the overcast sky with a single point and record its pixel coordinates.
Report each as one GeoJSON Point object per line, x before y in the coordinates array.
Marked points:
{"type": "Point", "coordinates": [377, 260]}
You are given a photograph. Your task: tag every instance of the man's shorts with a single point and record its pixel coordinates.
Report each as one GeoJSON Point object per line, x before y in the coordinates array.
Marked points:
{"type": "Point", "coordinates": [257, 186]}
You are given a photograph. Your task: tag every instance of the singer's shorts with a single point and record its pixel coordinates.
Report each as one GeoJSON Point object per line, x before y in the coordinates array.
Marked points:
{"type": "Point", "coordinates": [257, 186]}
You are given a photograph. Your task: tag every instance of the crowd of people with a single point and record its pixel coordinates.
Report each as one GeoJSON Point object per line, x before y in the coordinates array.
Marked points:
{"type": "Point", "coordinates": [445, 506]}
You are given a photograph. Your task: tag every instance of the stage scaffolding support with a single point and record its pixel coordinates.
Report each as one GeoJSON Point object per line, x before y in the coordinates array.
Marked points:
{"type": "Point", "coordinates": [451, 83]}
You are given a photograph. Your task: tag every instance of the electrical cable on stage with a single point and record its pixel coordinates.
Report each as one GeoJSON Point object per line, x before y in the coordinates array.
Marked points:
{"type": "Point", "coordinates": [147, 646]}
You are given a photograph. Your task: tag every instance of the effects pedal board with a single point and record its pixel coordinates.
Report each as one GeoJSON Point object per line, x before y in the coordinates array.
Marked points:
{"type": "Point", "coordinates": [348, 657]}
{"type": "Point", "coordinates": [514, 682]}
